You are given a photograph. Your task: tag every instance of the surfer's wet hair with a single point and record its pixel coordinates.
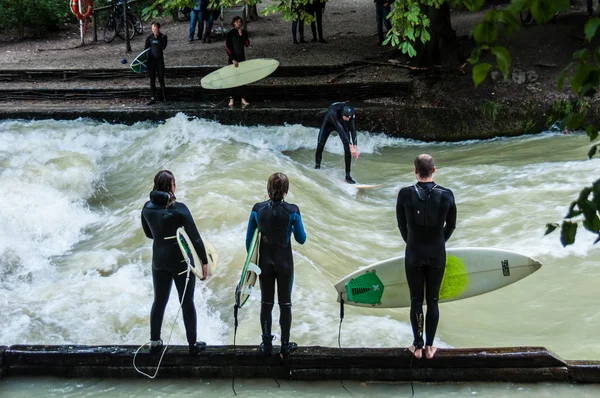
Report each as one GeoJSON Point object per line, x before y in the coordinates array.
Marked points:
{"type": "Point", "coordinates": [236, 18]}
{"type": "Point", "coordinates": [277, 186]}
{"type": "Point", "coordinates": [164, 181]}
{"type": "Point", "coordinates": [424, 165]}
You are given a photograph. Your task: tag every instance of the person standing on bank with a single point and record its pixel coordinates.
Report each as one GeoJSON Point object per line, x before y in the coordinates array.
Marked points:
{"type": "Point", "coordinates": [276, 220]}
{"type": "Point", "coordinates": [316, 8]}
{"type": "Point", "coordinates": [162, 215]}
{"type": "Point", "coordinates": [196, 18]}
{"type": "Point", "coordinates": [426, 216]}
{"type": "Point", "coordinates": [339, 117]}
{"type": "Point", "coordinates": [235, 41]}
{"type": "Point", "coordinates": [382, 10]}
{"type": "Point", "coordinates": [297, 21]}
{"type": "Point", "coordinates": [156, 42]}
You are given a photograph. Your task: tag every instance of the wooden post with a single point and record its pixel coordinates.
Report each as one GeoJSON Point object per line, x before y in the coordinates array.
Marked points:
{"type": "Point", "coordinates": [125, 21]}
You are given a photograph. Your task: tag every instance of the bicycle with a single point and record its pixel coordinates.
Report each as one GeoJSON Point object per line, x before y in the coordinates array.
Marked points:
{"type": "Point", "coordinates": [115, 26]}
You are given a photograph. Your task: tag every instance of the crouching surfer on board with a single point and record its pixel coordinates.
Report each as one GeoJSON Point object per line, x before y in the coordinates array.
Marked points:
{"type": "Point", "coordinates": [161, 216]}
{"type": "Point", "coordinates": [339, 117]}
{"type": "Point", "coordinates": [276, 220]}
{"type": "Point", "coordinates": [426, 215]}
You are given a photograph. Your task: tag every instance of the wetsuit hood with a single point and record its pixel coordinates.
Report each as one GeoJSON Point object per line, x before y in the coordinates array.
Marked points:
{"type": "Point", "coordinates": [159, 198]}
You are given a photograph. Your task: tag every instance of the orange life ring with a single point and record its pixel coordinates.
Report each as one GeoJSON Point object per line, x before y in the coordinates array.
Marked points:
{"type": "Point", "coordinates": [75, 9]}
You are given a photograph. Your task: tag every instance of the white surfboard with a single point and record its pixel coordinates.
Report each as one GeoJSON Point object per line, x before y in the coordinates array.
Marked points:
{"type": "Point", "coordinates": [191, 257]}
{"type": "Point", "coordinates": [469, 272]}
{"type": "Point", "coordinates": [140, 63]}
{"type": "Point", "coordinates": [250, 272]}
{"type": "Point", "coordinates": [247, 72]}
{"type": "Point", "coordinates": [366, 186]}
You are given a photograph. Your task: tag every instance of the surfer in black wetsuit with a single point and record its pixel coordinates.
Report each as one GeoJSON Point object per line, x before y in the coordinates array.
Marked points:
{"type": "Point", "coordinates": [161, 217]}
{"type": "Point", "coordinates": [235, 41]}
{"type": "Point", "coordinates": [339, 117]}
{"type": "Point", "coordinates": [156, 42]}
{"type": "Point", "coordinates": [276, 220]}
{"type": "Point", "coordinates": [426, 215]}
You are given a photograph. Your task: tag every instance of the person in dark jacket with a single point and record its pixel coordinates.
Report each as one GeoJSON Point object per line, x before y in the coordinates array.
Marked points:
{"type": "Point", "coordinates": [339, 117]}
{"type": "Point", "coordinates": [426, 216]}
{"type": "Point", "coordinates": [210, 16]}
{"type": "Point", "coordinates": [162, 215]}
{"type": "Point", "coordinates": [382, 10]}
{"type": "Point", "coordinates": [235, 41]}
{"type": "Point", "coordinates": [276, 220]}
{"type": "Point", "coordinates": [156, 42]}
{"type": "Point", "coordinates": [316, 8]}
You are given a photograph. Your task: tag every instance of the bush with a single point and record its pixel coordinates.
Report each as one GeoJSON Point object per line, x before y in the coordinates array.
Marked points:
{"type": "Point", "coordinates": [36, 16]}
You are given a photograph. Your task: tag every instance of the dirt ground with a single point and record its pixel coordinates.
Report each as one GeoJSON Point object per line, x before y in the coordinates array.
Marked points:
{"type": "Point", "coordinates": [538, 54]}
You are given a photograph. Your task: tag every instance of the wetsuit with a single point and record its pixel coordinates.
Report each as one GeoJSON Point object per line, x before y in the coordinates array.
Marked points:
{"type": "Point", "coordinates": [346, 130]}
{"type": "Point", "coordinates": [276, 221]}
{"type": "Point", "coordinates": [234, 45]}
{"type": "Point", "coordinates": [160, 223]}
{"type": "Point", "coordinates": [426, 215]}
{"type": "Point", "coordinates": [156, 62]}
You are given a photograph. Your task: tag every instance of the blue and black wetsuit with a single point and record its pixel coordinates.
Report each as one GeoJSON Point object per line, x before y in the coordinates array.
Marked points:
{"type": "Point", "coordinates": [346, 130]}
{"type": "Point", "coordinates": [276, 221]}
{"type": "Point", "coordinates": [426, 215]}
{"type": "Point", "coordinates": [160, 223]}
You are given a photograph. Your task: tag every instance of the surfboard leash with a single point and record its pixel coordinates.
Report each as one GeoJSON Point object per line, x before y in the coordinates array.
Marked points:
{"type": "Point", "coordinates": [340, 337]}
{"type": "Point", "coordinates": [236, 307]}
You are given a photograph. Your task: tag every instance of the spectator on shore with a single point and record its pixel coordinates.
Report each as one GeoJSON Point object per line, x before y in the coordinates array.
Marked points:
{"type": "Point", "coordinates": [196, 18]}
{"type": "Point", "coordinates": [210, 16]}
{"type": "Point", "coordinates": [235, 41]}
{"type": "Point", "coordinates": [156, 42]}
{"type": "Point", "coordinates": [316, 8]}
{"type": "Point", "coordinates": [382, 10]}
{"type": "Point", "coordinates": [297, 21]}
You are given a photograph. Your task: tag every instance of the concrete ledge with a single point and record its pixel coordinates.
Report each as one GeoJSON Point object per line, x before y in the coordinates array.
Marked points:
{"type": "Point", "coordinates": [519, 364]}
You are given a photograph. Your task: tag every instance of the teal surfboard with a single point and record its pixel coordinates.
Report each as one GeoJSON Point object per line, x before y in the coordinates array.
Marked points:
{"type": "Point", "coordinates": [139, 64]}
{"type": "Point", "coordinates": [469, 272]}
{"type": "Point", "coordinates": [250, 272]}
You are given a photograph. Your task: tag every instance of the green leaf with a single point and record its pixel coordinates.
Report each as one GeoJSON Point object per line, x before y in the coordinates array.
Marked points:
{"type": "Point", "coordinates": [592, 223]}
{"type": "Point", "coordinates": [563, 74]}
{"type": "Point", "coordinates": [591, 132]}
{"type": "Point", "coordinates": [510, 21]}
{"type": "Point", "coordinates": [480, 72]}
{"type": "Point", "coordinates": [582, 73]}
{"type": "Point", "coordinates": [485, 32]}
{"type": "Point", "coordinates": [592, 150]}
{"type": "Point", "coordinates": [572, 121]}
{"type": "Point", "coordinates": [560, 4]}
{"type": "Point", "coordinates": [502, 59]}
{"type": "Point", "coordinates": [582, 54]}
{"type": "Point", "coordinates": [567, 233]}
{"type": "Point", "coordinates": [572, 212]}
{"type": "Point", "coordinates": [590, 28]}
{"type": "Point", "coordinates": [550, 228]}
{"type": "Point", "coordinates": [542, 10]}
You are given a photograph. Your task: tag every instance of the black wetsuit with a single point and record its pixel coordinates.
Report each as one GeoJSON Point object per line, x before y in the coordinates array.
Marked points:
{"type": "Point", "coordinates": [156, 62]}
{"type": "Point", "coordinates": [276, 221]}
{"type": "Point", "coordinates": [346, 130]}
{"type": "Point", "coordinates": [160, 223]}
{"type": "Point", "coordinates": [234, 45]}
{"type": "Point", "coordinates": [426, 215]}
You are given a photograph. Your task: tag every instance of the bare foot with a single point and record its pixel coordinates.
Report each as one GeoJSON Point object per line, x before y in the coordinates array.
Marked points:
{"type": "Point", "coordinates": [244, 102]}
{"type": "Point", "coordinates": [231, 102]}
{"type": "Point", "coordinates": [417, 352]}
{"type": "Point", "coordinates": [430, 351]}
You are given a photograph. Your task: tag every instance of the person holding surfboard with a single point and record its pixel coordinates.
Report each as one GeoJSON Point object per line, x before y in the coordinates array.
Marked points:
{"type": "Point", "coordinates": [162, 215]}
{"type": "Point", "coordinates": [156, 42]}
{"type": "Point", "coordinates": [426, 216]}
{"type": "Point", "coordinates": [339, 117]}
{"type": "Point", "coordinates": [276, 220]}
{"type": "Point", "coordinates": [235, 41]}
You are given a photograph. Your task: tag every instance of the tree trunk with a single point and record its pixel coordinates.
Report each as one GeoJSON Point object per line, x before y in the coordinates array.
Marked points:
{"type": "Point", "coordinates": [443, 46]}
{"type": "Point", "coordinates": [251, 12]}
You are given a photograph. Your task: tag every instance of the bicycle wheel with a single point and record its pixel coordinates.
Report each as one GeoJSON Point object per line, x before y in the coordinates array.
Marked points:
{"type": "Point", "coordinates": [121, 30]}
{"type": "Point", "coordinates": [110, 30]}
{"type": "Point", "coordinates": [137, 23]}
{"type": "Point", "coordinates": [526, 18]}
